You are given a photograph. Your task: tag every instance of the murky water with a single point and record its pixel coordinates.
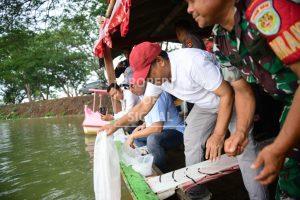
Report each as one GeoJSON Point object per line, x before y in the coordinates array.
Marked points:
{"type": "Point", "coordinates": [45, 159]}
{"type": "Point", "coordinates": [51, 158]}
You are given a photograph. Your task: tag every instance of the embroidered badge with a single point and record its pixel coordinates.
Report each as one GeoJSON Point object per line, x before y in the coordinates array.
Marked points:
{"type": "Point", "coordinates": [266, 18]}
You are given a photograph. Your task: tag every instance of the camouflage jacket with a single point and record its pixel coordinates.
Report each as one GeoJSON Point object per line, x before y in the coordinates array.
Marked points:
{"type": "Point", "coordinates": [244, 53]}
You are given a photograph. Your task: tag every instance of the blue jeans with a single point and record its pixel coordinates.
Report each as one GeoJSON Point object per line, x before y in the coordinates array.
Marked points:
{"type": "Point", "coordinates": [158, 143]}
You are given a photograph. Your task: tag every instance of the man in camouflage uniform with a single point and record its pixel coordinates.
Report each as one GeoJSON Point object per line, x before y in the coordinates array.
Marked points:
{"type": "Point", "coordinates": [244, 53]}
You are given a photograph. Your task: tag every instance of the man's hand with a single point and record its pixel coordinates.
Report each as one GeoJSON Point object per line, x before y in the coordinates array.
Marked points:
{"type": "Point", "coordinates": [139, 128]}
{"type": "Point", "coordinates": [235, 144]}
{"type": "Point", "coordinates": [214, 146]}
{"type": "Point", "coordinates": [215, 142]}
{"type": "Point", "coordinates": [109, 129]}
{"type": "Point", "coordinates": [107, 117]}
{"type": "Point", "coordinates": [130, 141]}
{"type": "Point", "coordinates": [272, 161]}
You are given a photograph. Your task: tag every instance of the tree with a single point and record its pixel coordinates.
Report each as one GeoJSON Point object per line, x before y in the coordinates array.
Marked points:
{"type": "Point", "coordinates": [38, 61]}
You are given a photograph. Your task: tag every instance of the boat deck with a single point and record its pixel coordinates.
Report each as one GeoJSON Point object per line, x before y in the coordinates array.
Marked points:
{"type": "Point", "coordinates": [229, 187]}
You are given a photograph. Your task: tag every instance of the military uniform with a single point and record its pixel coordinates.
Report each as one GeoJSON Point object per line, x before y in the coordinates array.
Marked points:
{"type": "Point", "coordinates": [245, 52]}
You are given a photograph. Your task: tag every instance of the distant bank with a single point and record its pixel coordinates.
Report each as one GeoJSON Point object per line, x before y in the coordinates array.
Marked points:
{"type": "Point", "coordinates": [46, 108]}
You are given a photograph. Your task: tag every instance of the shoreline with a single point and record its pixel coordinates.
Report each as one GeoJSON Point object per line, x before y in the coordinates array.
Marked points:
{"type": "Point", "coordinates": [50, 108]}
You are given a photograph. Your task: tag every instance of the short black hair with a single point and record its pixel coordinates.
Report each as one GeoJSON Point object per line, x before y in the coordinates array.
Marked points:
{"type": "Point", "coordinates": [113, 85]}
{"type": "Point", "coordinates": [121, 67]}
{"type": "Point", "coordinates": [162, 54]}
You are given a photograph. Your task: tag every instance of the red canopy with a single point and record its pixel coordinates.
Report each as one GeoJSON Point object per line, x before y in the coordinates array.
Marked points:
{"type": "Point", "coordinates": [119, 19]}
{"type": "Point", "coordinates": [134, 21]}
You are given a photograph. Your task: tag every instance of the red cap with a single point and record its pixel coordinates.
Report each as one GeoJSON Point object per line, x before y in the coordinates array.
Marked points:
{"type": "Point", "coordinates": [140, 59]}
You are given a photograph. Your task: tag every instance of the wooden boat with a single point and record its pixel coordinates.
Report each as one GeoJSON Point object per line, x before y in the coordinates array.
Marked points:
{"type": "Point", "coordinates": [176, 182]}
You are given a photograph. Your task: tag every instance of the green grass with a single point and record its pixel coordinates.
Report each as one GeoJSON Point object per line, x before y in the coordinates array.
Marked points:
{"type": "Point", "coordinates": [11, 115]}
{"type": "Point", "coordinates": [50, 114]}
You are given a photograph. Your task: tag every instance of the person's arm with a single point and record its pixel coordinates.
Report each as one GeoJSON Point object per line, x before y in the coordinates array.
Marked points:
{"type": "Point", "coordinates": [245, 108]}
{"type": "Point", "coordinates": [134, 115]}
{"type": "Point", "coordinates": [272, 156]}
{"type": "Point", "coordinates": [215, 142]}
{"type": "Point", "coordinates": [289, 135]}
{"type": "Point", "coordinates": [107, 117]}
{"type": "Point", "coordinates": [156, 127]}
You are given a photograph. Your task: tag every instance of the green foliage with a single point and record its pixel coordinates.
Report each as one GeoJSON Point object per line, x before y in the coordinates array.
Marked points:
{"type": "Point", "coordinates": [49, 114]}
{"type": "Point", "coordinates": [12, 115]}
{"type": "Point", "coordinates": [43, 52]}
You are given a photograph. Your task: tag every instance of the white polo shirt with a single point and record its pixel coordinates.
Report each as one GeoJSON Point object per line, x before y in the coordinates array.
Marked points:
{"type": "Point", "coordinates": [195, 75]}
{"type": "Point", "coordinates": [128, 102]}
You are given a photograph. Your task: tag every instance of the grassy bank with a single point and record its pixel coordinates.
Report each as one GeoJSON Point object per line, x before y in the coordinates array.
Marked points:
{"type": "Point", "coordinates": [47, 108]}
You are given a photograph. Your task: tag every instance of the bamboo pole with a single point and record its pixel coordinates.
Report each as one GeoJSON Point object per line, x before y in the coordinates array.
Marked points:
{"type": "Point", "coordinates": [110, 8]}
{"type": "Point", "coordinates": [111, 76]}
{"type": "Point", "coordinates": [94, 102]}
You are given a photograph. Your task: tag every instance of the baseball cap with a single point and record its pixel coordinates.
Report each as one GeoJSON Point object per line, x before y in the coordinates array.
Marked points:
{"type": "Point", "coordinates": [140, 59]}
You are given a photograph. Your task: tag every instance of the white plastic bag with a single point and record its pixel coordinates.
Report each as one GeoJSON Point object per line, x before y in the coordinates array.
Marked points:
{"type": "Point", "coordinates": [107, 178]}
{"type": "Point", "coordinates": [144, 165]}
{"type": "Point", "coordinates": [140, 163]}
{"type": "Point", "coordinates": [119, 136]}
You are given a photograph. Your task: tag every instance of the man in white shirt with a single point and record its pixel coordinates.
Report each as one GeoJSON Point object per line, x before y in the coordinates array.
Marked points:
{"type": "Point", "coordinates": [126, 97]}
{"type": "Point", "coordinates": [192, 75]}
{"type": "Point", "coordinates": [163, 128]}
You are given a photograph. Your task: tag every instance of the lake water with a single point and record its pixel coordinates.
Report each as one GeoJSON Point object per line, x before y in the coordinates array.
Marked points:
{"type": "Point", "coordinates": [51, 158]}
{"type": "Point", "coordinates": [46, 158]}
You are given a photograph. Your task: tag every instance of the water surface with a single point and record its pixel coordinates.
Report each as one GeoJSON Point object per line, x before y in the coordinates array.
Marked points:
{"type": "Point", "coordinates": [45, 158]}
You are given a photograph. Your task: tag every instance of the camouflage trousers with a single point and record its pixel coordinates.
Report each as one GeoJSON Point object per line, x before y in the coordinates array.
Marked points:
{"type": "Point", "coordinates": [288, 186]}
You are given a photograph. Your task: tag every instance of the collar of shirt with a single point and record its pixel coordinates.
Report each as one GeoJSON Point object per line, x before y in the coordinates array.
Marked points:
{"type": "Point", "coordinates": [236, 31]}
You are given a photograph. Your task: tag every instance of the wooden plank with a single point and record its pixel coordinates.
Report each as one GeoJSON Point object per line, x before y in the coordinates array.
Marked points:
{"type": "Point", "coordinates": [188, 177]}
{"type": "Point", "coordinates": [201, 172]}
{"type": "Point", "coordinates": [179, 192]}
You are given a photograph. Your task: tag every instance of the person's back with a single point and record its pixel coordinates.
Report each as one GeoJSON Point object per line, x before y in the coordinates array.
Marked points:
{"type": "Point", "coordinates": [194, 74]}
{"type": "Point", "coordinates": [163, 130]}
{"type": "Point", "coordinates": [164, 109]}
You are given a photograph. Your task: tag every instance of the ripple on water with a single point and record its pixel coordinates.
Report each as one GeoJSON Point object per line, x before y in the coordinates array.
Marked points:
{"type": "Point", "coordinates": [66, 172]}
{"type": "Point", "coordinates": [52, 194]}
{"type": "Point", "coordinates": [44, 159]}
{"type": "Point", "coordinates": [26, 161]}
{"type": "Point", "coordinates": [12, 191]}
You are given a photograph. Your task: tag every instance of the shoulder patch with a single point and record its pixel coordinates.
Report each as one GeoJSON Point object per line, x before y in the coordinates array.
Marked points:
{"type": "Point", "coordinates": [266, 19]}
